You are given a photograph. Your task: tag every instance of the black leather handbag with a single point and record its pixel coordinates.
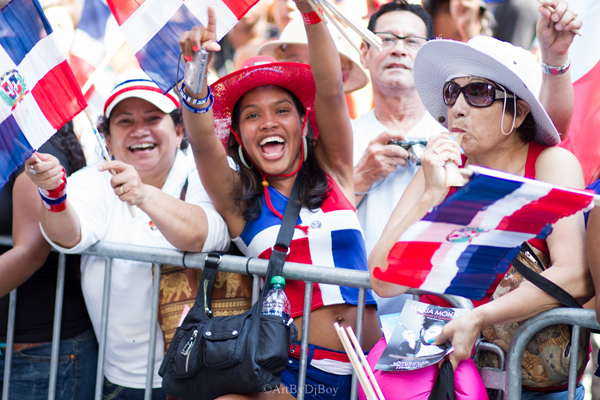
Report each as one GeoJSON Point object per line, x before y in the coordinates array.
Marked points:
{"type": "Point", "coordinates": [211, 357]}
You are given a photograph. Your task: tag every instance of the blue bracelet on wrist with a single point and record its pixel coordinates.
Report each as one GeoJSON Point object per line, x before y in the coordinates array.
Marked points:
{"type": "Point", "coordinates": [194, 102]}
{"type": "Point", "coordinates": [199, 110]}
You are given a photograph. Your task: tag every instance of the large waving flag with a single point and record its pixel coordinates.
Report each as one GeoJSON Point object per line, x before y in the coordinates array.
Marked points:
{"type": "Point", "coordinates": [153, 27]}
{"type": "Point", "coordinates": [462, 245]}
{"type": "Point", "coordinates": [583, 139]}
{"type": "Point", "coordinates": [88, 49]}
{"type": "Point", "coordinates": [38, 91]}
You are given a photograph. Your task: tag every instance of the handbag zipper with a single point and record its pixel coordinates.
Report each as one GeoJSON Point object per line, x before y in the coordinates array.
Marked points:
{"type": "Point", "coordinates": [188, 348]}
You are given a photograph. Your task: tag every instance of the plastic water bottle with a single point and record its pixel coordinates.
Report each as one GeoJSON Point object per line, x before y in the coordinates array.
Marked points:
{"type": "Point", "coordinates": [276, 301]}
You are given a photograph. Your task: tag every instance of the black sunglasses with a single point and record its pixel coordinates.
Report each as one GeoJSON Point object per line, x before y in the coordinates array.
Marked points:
{"type": "Point", "coordinates": [477, 94]}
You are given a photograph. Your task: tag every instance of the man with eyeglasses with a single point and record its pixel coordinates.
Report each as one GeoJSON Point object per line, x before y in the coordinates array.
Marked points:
{"type": "Point", "coordinates": [382, 172]}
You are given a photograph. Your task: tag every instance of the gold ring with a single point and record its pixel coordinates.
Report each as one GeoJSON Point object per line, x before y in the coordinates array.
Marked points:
{"type": "Point", "coordinates": [121, 190]}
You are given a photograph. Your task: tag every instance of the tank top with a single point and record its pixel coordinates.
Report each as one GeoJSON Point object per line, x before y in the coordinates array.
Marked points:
{"type": "Point", "coordinates": [334, 240]}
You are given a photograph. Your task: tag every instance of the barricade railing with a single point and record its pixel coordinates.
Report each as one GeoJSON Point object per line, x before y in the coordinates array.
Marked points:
{"type": "Point", "coordinates": [295, 271]}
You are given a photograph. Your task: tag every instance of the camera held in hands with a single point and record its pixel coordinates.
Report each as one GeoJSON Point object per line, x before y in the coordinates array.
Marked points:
{"type": "Point", "coordinates": [195, 71]}
{"type": "Point", "coordinates": [415, 146]}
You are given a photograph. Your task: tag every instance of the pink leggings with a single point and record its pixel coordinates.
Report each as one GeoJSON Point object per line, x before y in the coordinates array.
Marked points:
{"type": "Point", "coordinates": [417, 384]}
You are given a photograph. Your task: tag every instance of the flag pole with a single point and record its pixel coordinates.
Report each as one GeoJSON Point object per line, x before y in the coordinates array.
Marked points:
{"type": "Point", "coordinates": [363, 359]}
{"type": "Point", "coordinates": [109, 56]}
{"type": "Point", "coordinates": [104, 151]}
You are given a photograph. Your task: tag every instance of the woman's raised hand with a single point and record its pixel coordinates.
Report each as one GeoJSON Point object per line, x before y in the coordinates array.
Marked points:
{"type": "Point", "coordinates": [555, 28]}
{"type": "Point", "coordinates": [126, 182]}
{"type": "Point", "coordinates": [44, 170]}
{"type": "Point", "coordinates": [200, 36]}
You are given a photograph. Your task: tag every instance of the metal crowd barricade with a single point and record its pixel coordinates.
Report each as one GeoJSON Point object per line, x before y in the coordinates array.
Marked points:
{"type": "Point", "coordinates": [309, 274]}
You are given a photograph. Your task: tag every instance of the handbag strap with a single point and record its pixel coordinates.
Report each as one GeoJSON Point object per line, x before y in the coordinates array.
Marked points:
{"type": "Point", "coordinates": [284, 238]}
{"type": "Point", "coordinates": [443, 388]}
{"type": "Point", "coordinates": [278, 256]}
{"type": "Point", "coordinates": [542, 282]}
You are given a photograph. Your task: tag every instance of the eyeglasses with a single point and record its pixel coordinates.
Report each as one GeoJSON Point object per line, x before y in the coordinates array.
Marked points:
{"type": "Point", "coordinates": [477, 94]}
{"type": "Point", "coordinates": [389, 40]}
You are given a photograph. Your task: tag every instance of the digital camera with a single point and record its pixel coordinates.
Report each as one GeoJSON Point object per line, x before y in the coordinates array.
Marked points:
{"type": "Point", "coordinates": [415, 146]}
{"type": "Point", "coordinates": [195, 71]}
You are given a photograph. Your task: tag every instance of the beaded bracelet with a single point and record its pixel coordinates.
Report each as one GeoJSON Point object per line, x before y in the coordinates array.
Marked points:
{"type": "Point", "coordinates": [200, 110]}
{"type": "Point", "coordinates": [55, 200]}
{"type": "Point", "coordinates": [196, 102]}
{"type": "Point", "coordinates": [311, 18]}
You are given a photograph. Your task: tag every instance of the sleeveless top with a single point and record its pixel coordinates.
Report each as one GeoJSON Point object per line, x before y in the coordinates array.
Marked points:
{"type": "Point", "coordinates": [334, 240]}
{"type": "Point", "coordinates": [533, 153]}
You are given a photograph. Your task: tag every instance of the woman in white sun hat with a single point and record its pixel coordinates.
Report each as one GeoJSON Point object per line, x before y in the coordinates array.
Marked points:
{"type": "Point", "coordinates": [145, 135]}
{"type": "Point", "coordinates": [484, 92]}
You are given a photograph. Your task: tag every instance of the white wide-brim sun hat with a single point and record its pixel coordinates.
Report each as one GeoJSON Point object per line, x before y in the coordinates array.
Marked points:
{"type": "Point", "coordinates": [513, 67]}
{"type": "Point", "coordinates": [294, 33]}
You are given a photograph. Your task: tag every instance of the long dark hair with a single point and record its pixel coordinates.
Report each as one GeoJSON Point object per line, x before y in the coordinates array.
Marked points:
{"type": "Point", "coordinates": [65, 140]}
{"type": "Point", "coordinates": [103, 125]}
{"type": "Point", "coordinates": [313, 187]}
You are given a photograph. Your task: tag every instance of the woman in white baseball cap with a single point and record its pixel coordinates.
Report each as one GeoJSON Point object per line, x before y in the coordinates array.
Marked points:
{"type": "Point", "coordinates": [145, 135]}
{"type": "Point", "coordinates": [485, 92]}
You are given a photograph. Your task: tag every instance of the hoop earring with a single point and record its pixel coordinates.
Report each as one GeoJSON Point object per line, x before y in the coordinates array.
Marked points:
{"type": "Point", "coordinates": [242, 159]}
{"type": "Point", "coordinates": [503, 113]}
{"type": "Point", "coordinates": [304, 148]}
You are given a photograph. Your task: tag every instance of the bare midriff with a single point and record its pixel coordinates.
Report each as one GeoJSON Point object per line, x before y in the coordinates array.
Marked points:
{"type": "Point", "coordinates": [322, 333]}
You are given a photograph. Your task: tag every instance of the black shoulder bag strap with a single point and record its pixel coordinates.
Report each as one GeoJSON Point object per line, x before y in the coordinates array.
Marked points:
{"type": "Point", "coordinates": [278, 256]}
{"type": "Point", "coordinates": [542, 282]}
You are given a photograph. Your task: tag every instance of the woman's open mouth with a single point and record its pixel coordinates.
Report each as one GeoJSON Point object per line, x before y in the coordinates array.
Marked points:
{"type": "Point", "coordinates": [139, 147]}
{"type": "Point", "coordinates": [272, 146]}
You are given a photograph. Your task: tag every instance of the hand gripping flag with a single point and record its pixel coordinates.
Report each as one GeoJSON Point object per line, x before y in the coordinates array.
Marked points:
{"type": "Point", "coordinates": [462, 245]}
{"type": "Point", "coordinates": [153, 27]}
{"type": "Point", "coordinates": [38, 92]}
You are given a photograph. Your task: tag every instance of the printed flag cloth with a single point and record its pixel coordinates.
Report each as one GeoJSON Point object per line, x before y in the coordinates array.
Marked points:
{"type": "Point", "coordinates": [38, 91]}
{"type": "Point", "coordinates": [583, 139]}
{"type": "Point", "coordinates": [153, 27]}
{"type": "Point", "coordinates": [88, 49]}
{"type": "Point", "coordinates": [462, 245]}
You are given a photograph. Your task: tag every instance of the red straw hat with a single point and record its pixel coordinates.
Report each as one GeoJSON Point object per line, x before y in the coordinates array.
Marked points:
{"type": "Point", "coordinates": [260, 71]}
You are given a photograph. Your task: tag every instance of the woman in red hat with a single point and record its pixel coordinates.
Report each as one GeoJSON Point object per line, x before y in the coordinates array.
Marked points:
{"type": "Point", "coordinates": [282, 121]}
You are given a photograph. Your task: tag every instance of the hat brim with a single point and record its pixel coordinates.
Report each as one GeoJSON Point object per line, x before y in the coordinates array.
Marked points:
{"type": "Point", "coordinates": [439, 59]}
{"type": "Point", "coordinates": [295, 77]}
{"type": "Point", "coordinates": [161, 101]}
{"type": "Point", "coordinates": [358, 78]}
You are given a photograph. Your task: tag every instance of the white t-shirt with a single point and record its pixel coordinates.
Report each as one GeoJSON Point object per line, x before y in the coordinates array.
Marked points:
{"type": "Point", "coordinates": [377, 206]}
{"type": "Point", "coordinates": [104, 217]}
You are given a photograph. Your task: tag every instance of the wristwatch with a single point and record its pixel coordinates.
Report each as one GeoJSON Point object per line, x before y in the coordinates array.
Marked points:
{"type": "Point", "coordinates": [554, 70]}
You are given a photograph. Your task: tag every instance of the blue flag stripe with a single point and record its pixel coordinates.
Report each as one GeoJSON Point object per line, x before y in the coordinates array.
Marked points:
{"type": "Point", "coordinates": [461, 207]}
{"type": "Point", "coordinates": [14, 148]}
{"type": "Point", "coordinates": [93, 18]}
{"type": "Point", "coordinates": [22, 25]}
{"type": "Point", "coordinates": [160, 56]}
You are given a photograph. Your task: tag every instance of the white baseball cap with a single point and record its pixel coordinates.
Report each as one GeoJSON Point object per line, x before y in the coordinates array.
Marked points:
{"type": "Point", "coordinates": [136, 83]}
{"type": "Point", "coordinates": [513, 67]}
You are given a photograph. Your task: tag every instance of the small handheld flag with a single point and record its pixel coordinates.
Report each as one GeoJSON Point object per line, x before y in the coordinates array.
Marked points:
{"type": "Point", "coordinates": [462, 245]}
{"type": "Point", "coordinates": [153, 27]}
{"type": "Point", "coordinates": [38, 92]}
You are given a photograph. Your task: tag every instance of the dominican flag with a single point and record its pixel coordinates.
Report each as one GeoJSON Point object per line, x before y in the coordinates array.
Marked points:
{"type": "Point", "coordinates": [38, 91]}
{"type": "Point", "coordinates": [153, 27]}
{"type": "Point", "coordinates": [583, 139]}
{"type": "Point", "coordinates": [462, 245]}
{"type": "Point", "coordinates": [88, 49]}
